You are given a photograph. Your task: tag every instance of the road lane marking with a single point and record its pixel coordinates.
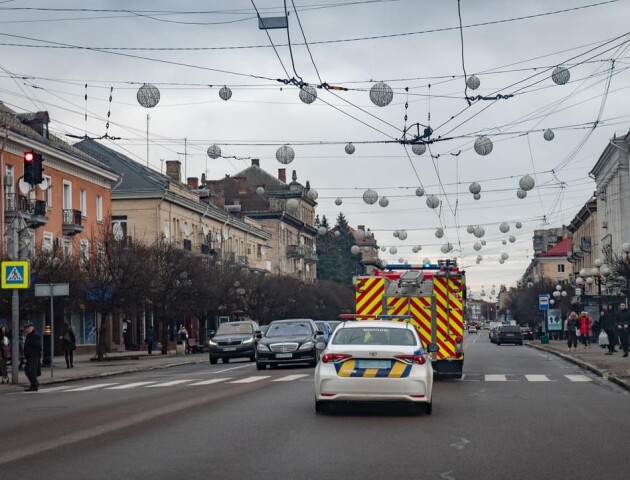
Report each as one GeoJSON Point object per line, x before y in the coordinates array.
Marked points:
{"type": "Point", "coordinates": [233, 368]}
{"type": "Point", "coordinates": [578, 378]}
{"type": "Point", "coordinates": [91, 387]}
{"type": "Point", "coordinates": [290, 378]}
{"type": "Point", "coordinates": [129, 385]}
{"type": "Point", "coordinates": [210, 382]}
{"type": "Point", "coordinates": [55, 389]}
{"type": "Point", "coordinates": [495, 378]}
{"type": "Point", "coordinates": [251, 379]}
{"type": "Point", "coordinates": [172, 382]}
{"type": "Point", "coordinates": [537, 378]}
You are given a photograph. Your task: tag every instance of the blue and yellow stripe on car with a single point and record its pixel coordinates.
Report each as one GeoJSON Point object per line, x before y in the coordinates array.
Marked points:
{"type": "Point", "coordinates": [349, 369]}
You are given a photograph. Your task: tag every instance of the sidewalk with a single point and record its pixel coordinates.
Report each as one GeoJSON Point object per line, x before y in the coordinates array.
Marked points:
{"type": "Point", "coordinates": [612, 367]}
{"type": "Point", "coordinates": [116, 364]}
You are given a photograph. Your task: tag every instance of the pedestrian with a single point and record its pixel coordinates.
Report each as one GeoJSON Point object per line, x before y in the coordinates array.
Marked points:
{"type": "Point", "coordinates": [571, 324]}
{"type": "Point", "coordinates": [623, 325]}
{"type": "Point", "coordinates": [150, 340]}
{"type": "Point", "coordinates": [5, 354]}
{"type": "Point", "coordinates": [608, 323]}
{"type": "Point", "coordinates": [69, 344]}
{"type": "Point", "coordinates": [596, 327]}
{"type": "Point", "coordinates": [585, 329]}
{"type": "Point", "coordinates": [32, 354]}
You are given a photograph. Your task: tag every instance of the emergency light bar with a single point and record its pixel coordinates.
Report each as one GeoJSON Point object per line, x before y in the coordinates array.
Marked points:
{"type": "Point", "coordinates": [352, 316]}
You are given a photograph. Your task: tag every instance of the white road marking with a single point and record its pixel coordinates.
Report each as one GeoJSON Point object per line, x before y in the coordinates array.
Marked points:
{"type": "Point", "coordinates": [289, 378]}
{"type": "Point", "coordinates": [578, 378]}
{"type": "Point", "coordinates": [129, 385]}
{"type": "Point", "coordinates": [172, 382]}
{"type": "Point", "coordinates": [210, 382]}
{"type": "Point", "coordinates": [90, 387]}
{"type": "Point", "coordinates": [495, 378]}
{"type": "Point", "coordinates": [537, 378]}
{"type": "Point", "coordinates": [234, 368]}
{"type": "Point", "coordinates": [54, 389]}
{"type": "Point", "coordinates": [251, 379]}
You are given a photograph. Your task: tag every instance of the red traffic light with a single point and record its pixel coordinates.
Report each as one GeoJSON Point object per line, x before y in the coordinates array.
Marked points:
{"type": "Point", "coordinates": [29, 156]}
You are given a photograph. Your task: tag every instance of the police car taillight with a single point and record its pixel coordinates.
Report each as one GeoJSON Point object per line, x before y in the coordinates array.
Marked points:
{"type": "Point", "coordinates": [335, 357]}
{"type": "Point", "coordinates": [419, 359]}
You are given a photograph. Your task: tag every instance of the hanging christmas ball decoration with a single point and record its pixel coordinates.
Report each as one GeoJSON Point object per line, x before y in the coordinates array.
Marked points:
{"type": "Point", "coordinates": [477, 196]}
{"type": "Point", "coordinates": [477, 261]}
{"type": "Point", "coordinates": [418, 148]}
{"type": "Point", "coordinates": [526, 183]}
{"type": "Point", "coordinates": [501, 261]}
{"type": "Point", "coordinates": [355, 250]}
{"type": "Point", "coordinates": [292, 205]}
{"type": "Point", "coordinates": [433, 201]}
{"type": "Point", "coordinates": [214, 151]}
{"type": "Point", "coordinates": [470, 229]}
{"type": "Point", "coordinates": [401, 260]}
{"type": "Point", "coordinates": [321, 231]}
{"type": "Point", "coordinates": [473, 82]}
{"type": "Point", "coordinates": [504, 227]}
{"type": "Point", "coordinates": [260, 191]}
{"type": "Point", "coordinates": [419, 191]}
{"type": "Point", "coordinates": [225, 93]}
{"type": "Point", "coordinates": [483, 145]}
{"type": "Point", "coordinates": [337, 233]}
{"type": "Point", "coordinates": [477, 246]}
{"type": "Point", "coordinates": [285, 154]}
{"type": "Point", "coordinates": [148, 95]}
{"type": "Point", "coordinates": [504, 256]}
{"type": "Point", "coordinates": [444, 249]}
{"type": "Point", "coordinates": [416, 248]}
{"type": "Point", "coordinates": [548, 135]}
{"type": "Point", "coordinates": [349, 149]}
{"type": "Point", "coordinates": [560, 75]}
{"type": "Point", "coordinates": [474, 188]}
{"type": "Point", "coordinates": [402, 235]}
{"type": "Point", "coordinates": [383, 201]}
{"type": "Point", "coordinates": [479, 258]}
{"type": "Point", "coordinates": [439, 232]}
{"type": "Point", "coordinates": [449, 247]}
{"type": "Point", "coordinates": [479, 232]}
{"type": "Point", "coordinates": [393, 250]}
{"type": "Point", "coordinates": [370, 196]}
{"type": "Point", "coordinates": [520, 193]}
{"type": "Point", "coordinates": [426, 260]}
{"type": "Point", "coordinates": [308, 94]}
{"type": "Point", "coordinates": [383, 249]}
{"type": "Point", "coordinates": [483, 243]}
{"type": "Point", "coordinates": [504, 242]}
{"type": "Point", "coordinates": [381, 94]}
{"type": "Point", "coordinates": [312, 194]}
{"type": "Point", "coordinates": [338, 201]}
{"type": "Point", "coordinates": [395, 233]}
{"type": "Point", "coordinates": [518, 225]}
{"type": "Point", "coordinates": [512, 239]}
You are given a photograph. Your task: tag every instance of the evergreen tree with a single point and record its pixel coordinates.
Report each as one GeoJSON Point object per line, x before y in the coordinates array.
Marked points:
{"type": "Point", "coordinates": [336, 262]}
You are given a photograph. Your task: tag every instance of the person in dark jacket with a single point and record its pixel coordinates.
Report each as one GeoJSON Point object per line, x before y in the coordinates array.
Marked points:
{"type": "Point", "coordinates": [32, 354]}
{"type": "Point", "coordinates": [68, 344]}
{"type": "Point", "coordinates": [571, 325]}
{"type": "Point", "coordinates": [623, 325]}
{"type": "Point", "coordinates": [150, 340]}
{"type": "Point", "coordinates": [609, 325]}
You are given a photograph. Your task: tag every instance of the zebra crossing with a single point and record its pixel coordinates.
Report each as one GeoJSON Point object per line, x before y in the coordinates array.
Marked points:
{"type": "Point", "coordinates": [195, 382]}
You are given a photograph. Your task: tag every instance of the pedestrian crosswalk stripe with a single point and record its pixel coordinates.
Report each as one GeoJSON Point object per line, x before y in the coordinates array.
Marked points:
{"type": "Point", "coordinates": [578, 378]}
{"type": "Point", "coordinates": [90, 387]}
{"type": "Point", "coordinates": [251, 379]}
{"type": "Point", "coordinates": [289, 378]}
{"type": "Point", "coordinates": [495, 378]}
{"type": "Point", "coordinates": [129, 385]}
{"type": "Point", "coordinates": [171, 383]}
{"type": "Point", "coordinates": [55, 389]}
{"type": "Point", "coordinates": [537, 378]}
{"type": "Point", "coordinates": [210, 382]}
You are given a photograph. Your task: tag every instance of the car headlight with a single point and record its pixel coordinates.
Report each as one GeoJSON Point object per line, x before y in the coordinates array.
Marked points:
{"type": "Point", "coordinates": [212, 342]}
{"type": "Point", "coordinates": [249, 340]}
{"type": "Point", "coordinates": [262, 347]}
{"type": "Point", "coordinates": [307, 346]}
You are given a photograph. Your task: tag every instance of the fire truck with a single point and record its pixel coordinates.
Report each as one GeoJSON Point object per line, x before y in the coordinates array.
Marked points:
{"type": "Point", "coordinates": [432, 297]}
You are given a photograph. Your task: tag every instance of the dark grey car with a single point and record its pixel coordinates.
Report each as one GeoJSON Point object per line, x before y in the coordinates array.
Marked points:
{"type": "Point", "coordinates": [234, 340]}
{"type": "Point", "coordinates": [289, 341]}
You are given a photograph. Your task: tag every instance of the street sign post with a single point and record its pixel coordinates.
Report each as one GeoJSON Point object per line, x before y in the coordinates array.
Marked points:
{"type": "Point", "coordinates": [15, 274]}
{"type": "Point", "coordinates": [543, 301]}
{"type": "Point", "coordinates": [52, 290]}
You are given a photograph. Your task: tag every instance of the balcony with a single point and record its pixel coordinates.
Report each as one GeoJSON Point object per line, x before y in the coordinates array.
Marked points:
{"type": "Point", "coordinates": [295, 251]}
{"type": "Point", "coordinates": [310, 258]}
{"type": "Point", "coordinates": [71, 222]}
{"type": "Point", "coordinates": [33, 211]}
{"type": "Point", "coordinates": [243, 260]}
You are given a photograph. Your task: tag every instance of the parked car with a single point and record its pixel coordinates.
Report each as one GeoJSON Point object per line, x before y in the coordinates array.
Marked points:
{"type": "Point", "coordinates": [528, 333]}
{"type": "Point", "coordinates": [334, 324]}
{"type": "Point", "coordinates": [375, 361]}
{"type": "Point", "coordinates": [492, 334]}
{"type": "Point", "coordinates": [290, 341]}
{"type": "Point", "coordinates": [325, 328]}
{"type": "Point", "coordinates": [234, 340]}
{"type": "Point", "coordinates": [264, 328]}
{"type": "Point", "coordinates": [509, 334]}
{"type": "Point", "coordinates": [472, 329]}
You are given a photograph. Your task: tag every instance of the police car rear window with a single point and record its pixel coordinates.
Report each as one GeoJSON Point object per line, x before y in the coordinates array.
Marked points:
{"type": "Point", "coordinates": [374, 336]}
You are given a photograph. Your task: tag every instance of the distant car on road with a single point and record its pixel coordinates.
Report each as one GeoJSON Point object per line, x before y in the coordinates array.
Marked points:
{"type": "Point", "coordinates": [472, 329]}
{"type": "Point", "coordinates": [334, 324]}
{"type": "Point", "coordinates": [325, 328]}
{"type": "Point", "coordinates": [234, 340]}
{"type": "Point", "coordinates": [509, 334]}
{"type": "Point", "coordinates": [527, 332]}
{"type": "Point", "coordinates": [492, 334]}
{"type": "Point", "coordinates": [289, 341]}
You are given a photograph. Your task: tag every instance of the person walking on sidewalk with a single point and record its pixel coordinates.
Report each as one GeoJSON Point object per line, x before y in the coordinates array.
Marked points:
{"type": "Point", "coordinates": [571, 324]}
{"type": "Point", "coordinates": [69, 344]}
{"type": "Point", "coordinates": [623, 325]}
{"type": "Point", "coordinates": [609, 325]}
{"type": "Point", "coordinates": [585, 329]}
{"type": "Point", "coordinates": [5, 354]}
{"type": "Point", "coordinates": [150, 340]}
{"type": "Point", "coordinates": [32, 354]}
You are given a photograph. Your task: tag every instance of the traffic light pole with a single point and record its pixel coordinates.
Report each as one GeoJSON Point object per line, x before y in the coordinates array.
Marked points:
{"type": "Point", "coordinates": [15, 311]}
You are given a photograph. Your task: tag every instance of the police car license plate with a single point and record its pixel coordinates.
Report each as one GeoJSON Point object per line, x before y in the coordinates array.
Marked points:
{"type": "Point", "coordinates": [382, 364]}
{"type": "Point", "coordinates": [284, 355]}
{"type": "Point", "coordinates": [229, 349]}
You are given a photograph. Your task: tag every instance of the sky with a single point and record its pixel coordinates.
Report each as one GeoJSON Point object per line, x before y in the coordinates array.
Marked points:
{"type": "Point", "coordinates": [54, 53]}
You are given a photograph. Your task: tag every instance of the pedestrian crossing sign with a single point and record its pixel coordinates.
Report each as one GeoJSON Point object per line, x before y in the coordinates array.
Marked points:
{"type": "Point", "coordinates": [15, 274]}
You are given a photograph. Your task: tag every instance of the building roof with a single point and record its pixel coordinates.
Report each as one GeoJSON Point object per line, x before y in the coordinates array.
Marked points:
{"type": "Point", "coordinates": [560, 250]}
{"type": "Point", "coordinates": [257, 177]}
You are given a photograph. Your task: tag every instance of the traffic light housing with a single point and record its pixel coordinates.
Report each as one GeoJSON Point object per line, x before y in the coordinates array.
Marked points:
{"type": "Point", "coordinates": [29, 167]}
{"type": "Point", "coordinates": [38, 169]}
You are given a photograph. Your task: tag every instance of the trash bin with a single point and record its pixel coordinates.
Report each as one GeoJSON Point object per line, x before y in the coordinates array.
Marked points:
{"type": "Point", "coordinates": [180, 349]}
{"type": "Point", "coordinates": [544, 339]}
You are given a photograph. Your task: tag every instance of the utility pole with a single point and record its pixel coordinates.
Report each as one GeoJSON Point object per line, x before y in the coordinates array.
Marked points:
{"type": "Point", "coordinates": [15, 307]}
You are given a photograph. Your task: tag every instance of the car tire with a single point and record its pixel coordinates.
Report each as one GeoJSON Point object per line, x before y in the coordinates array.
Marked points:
{"type": "Point", "coordinates": [213, 360]}
{"type": "Point", "coordinates": [261, 366]}
{"type": "Point", "coordinates": [521, 344]}
{"type": "Point", "coordinates": [428, 408]}
{"type": "Point", "coordinates": [498, 343]}
{"type": "Point", "coordinates": [318, 407]}
{"type": "Point", "coordinates": [225, 359]}
{"type": "Point", "coordinates": [314, 362]}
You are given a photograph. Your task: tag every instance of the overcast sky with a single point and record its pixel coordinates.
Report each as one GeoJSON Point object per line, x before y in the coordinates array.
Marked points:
{"type": "Point", "coordinates": [190, 49]}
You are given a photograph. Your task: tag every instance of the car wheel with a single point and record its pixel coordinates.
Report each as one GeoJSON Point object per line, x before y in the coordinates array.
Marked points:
{"type": "Point", "coordinates": [314, 362]}
{"type": "Point", "coordinates": [498, 343]}
{"type": "Point", "coordinates": [225, 359]}
{"type": "Point", "coordinates": [318, 407]}
{"type": "Point", "coordinates": [521, 344]}
{"type": "Point", "coordinates": [213, 360]}
{"type": "Point", "coordinates": [428, 408]}
{"type": "Point", "coordinates": [260, 366]}
{"type": "Point", "coordinates": [252, 357]}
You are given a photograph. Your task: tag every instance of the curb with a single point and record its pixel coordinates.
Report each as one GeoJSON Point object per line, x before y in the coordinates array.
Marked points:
{"type": "Point", "coordinates": [585, 365]}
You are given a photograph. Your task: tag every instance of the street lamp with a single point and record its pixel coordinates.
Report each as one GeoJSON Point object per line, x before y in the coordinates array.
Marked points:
{"type": "Point", "coordinates": [599, 270]}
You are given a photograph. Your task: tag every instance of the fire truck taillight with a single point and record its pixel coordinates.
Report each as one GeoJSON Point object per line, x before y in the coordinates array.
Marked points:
{"type": "Point", "coordinates": [458, 339]}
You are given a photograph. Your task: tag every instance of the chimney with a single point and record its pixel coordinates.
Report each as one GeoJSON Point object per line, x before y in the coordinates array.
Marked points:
{"type": "Point", "coordinates": [193, 182]}
{"type": "Point", "coordinates": [361, 227]}
{"type": "Point", "coordinates": [174, 169]}
{"type": "Point", "coordinates": [282, 175]}
{"type": "Point", "coordinates": [256, 162]}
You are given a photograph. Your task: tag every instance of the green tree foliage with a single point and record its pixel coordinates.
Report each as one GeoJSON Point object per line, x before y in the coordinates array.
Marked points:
{"type": "Point", "coordinates": [336, 262]}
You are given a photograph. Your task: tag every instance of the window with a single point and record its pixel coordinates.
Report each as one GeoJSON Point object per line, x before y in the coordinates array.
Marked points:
{"type": "Point", "coordinates": [83, 203]}
{"type": "Point", "coordinates": [561, 268]}
{"type": "Point", "coordinates": [67, 195]}
{"type": "Point", "coordinates": [99, 208]}
{"type": "Point", "coordinates": [67, 247]}
{"type": "Point", "coordinates": [119, 227]}
{"type": "Point", "coordinates": [48, 193]}
{"type": "Point", "coordinates": [47, 242]}
{"type": "Point", "coordinates": [85, 252]}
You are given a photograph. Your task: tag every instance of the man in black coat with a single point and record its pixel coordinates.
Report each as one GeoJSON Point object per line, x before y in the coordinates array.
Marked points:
{"type": "Point", "coordinates": [608, 323]}
{"type": "Point", "coordinates": [32, 354]}
{"type": "Point", "coordinates": [623, 325]}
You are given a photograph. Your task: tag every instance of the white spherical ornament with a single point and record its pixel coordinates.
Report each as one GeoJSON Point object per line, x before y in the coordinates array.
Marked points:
{"type": "Point", "coordinates": [338, 201]}
{"type": "Point", "coordinates": [383, 201]}
{"type": "Point", "coordinates": [381, 94]}
{"type": "Point", "coordinates": [355, 250]}
{"type": "Point", "coordinates": [483, 145]}
{"type": "Point", "coordinates": [148, 95]}
{"type": "Point", "coordinates": [426, 260]}
{"type": "Point", "coordinates": [479, 232]}
{"type": "Point", "coordinates": [477, 246]}
{"type": "Point", "coordinates": [416, 248]}
{"type": "Point", "coordinates": [564, 293]}
{"type": "Point", "coordinates": [504, 256]}
{"type": "Point", "coordinates": [395, 233]}
{"type": "Point", "coordinates": [439, 232]}
{"type": "Point", "coordinates": [512, 239]}
{"type": "Point", "coordinates": [449, 247]}
{"type": "Point", "coordinates": [483, 243]}
{"type": "Point", "coordinates": [419, 191]}
{"type": "Point", "coordinates": [477, 196]}
{"type": "Point", "coordinates": [444, 249]}
{"type": "Point", "coordinates": [337, 233]}
{"type": "Point", "coordinates": [292, 205]}
{"type": "Point", "coordinates": [474, 188]}
{"type": "Point", "coordinates": [402, 235]}
{"type": "Point", "coordinates": [214, 151]}
{"type": "Point", "coordinates": [504, 242]}
{"type": "Point", "coordinates": [433, 201]}
{"type": "Point", "coordinates": [393, 250]}
{"type": "Point", "coordinates": [260, 191]}
{"type": "Point", "coordinates": [321, 231]}
{"type": "Point", "coordinates": [501, 261]}
{"type": "Point", "coordinates": [285, 154]}
{"type": "Point", "coordinates": [308, 94]}
{"type": "Point", "coordinates": [504, 227]}
{"type": "Point", "coordinates": [479, 258]}
{"type": "Point", "coordinates": [520, 193]}
{"type": "Point", "coordinates": [370, 196]}
{"type": "Point", "coordinates": [548, 135]}
{"type": "Point", "coordinates": [477, 261]}
{"type": "Point", "coordinates": [383, 249]}
{"type": "Point", "coordinates": [418, 148]}
{"type": "Point", "coordinates": [401, 260]}
{"type": "Point", "coordinates": [473, 82]}
{"type": "Point", "coordinates": [470, 229]}
{"type": "Point", "coordinates": [312, 194]}
{"type": "Point", "coordinates": [518, 225]}
{"type": "Point", "coordinates": [560, 75]}
{"type": "Point", "coordinates": [349, 149]}
{"type": "Point", "coordinates": [526, 183]}
{"type": "Point", "coordinates": [225, 93]}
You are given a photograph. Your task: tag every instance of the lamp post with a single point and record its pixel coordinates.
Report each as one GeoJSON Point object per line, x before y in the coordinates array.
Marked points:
{"type": "Point", "coordinates": [598, 275]}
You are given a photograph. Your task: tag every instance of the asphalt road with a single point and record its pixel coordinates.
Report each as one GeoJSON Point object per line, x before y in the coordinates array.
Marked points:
{"type": "Point", "coordinates": [518, 413]}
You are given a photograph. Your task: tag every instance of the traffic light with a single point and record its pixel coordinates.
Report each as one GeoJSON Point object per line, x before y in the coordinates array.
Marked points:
{"type": "Point", "coordinates": [38, 169]}
{"type": "Point", "coordinates": [29, 167]}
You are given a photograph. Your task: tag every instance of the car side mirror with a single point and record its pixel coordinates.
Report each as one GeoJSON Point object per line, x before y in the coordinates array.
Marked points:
{"type": "Point", "coordinates": [258, 334]}
{"type": "Point", "coordinates": [433, 347]}
{"type": "Point", "coordinates": [319, 336]}
{"type": "Point", "coordinates": [320, 345]}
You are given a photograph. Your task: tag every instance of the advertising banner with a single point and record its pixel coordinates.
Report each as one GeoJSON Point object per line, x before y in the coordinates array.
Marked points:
{"type": "Point", "coordinates": [554, 320]}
